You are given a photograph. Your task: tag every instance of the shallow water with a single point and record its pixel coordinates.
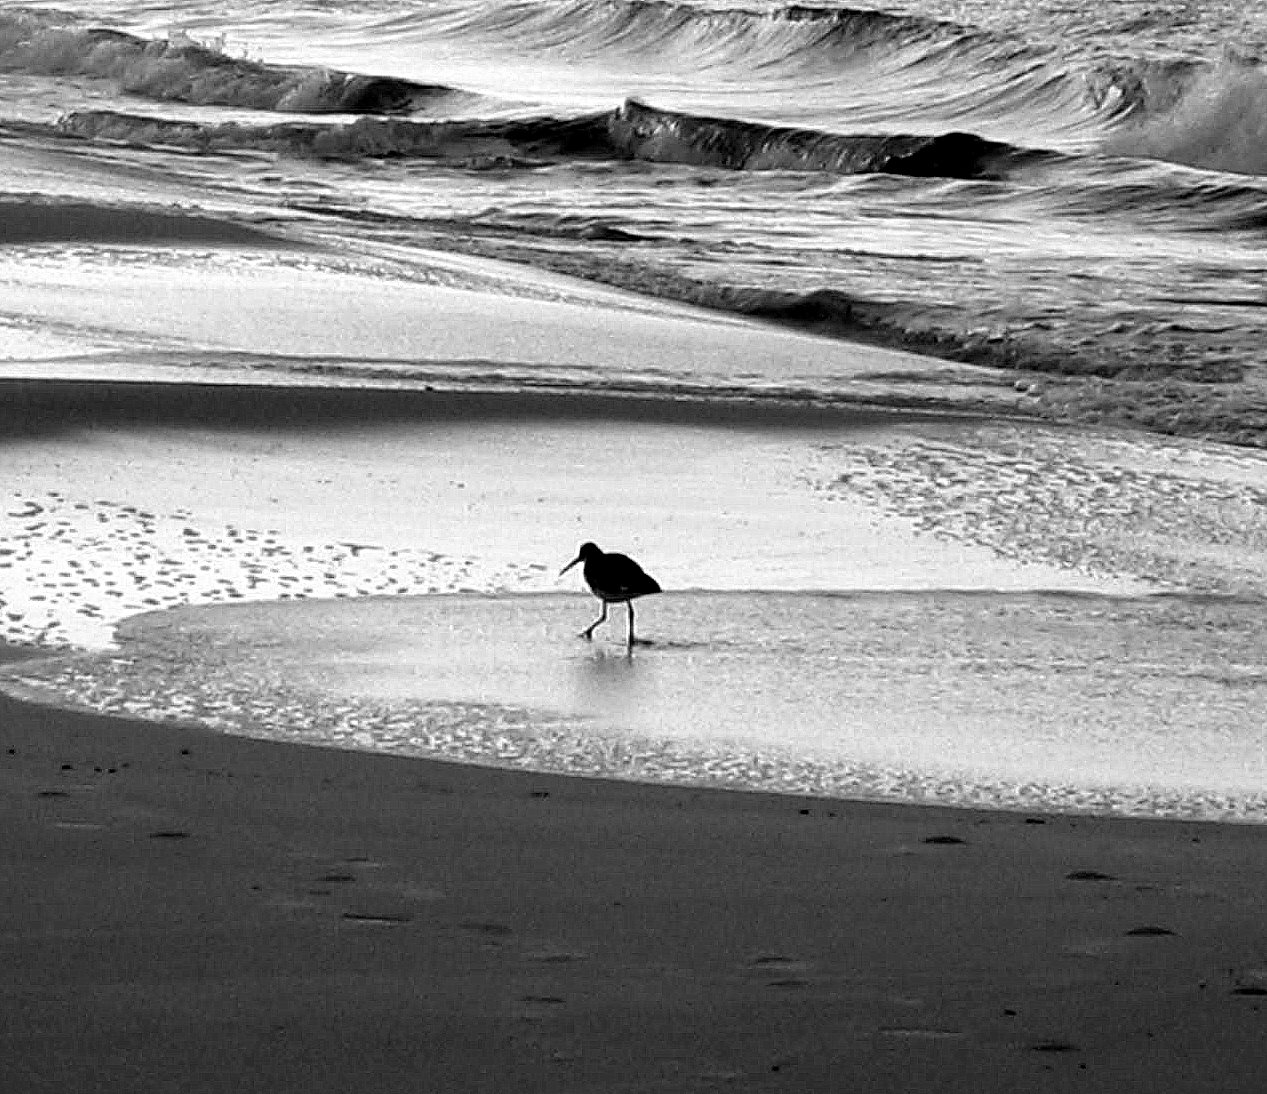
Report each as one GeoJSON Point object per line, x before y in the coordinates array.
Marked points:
{"type": "Point", "coordinates": [121, 511]}
{"type": "Point", "coordinates": [1024, 701]}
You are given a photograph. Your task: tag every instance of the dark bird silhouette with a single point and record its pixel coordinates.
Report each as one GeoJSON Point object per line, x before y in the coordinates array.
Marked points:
{"type": "Point", "coordinates": [614, 579]}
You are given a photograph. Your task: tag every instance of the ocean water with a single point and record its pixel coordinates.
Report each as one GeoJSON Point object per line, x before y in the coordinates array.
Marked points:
{"type": "Point", "coordinates": [436, 289]}
{"type": "Point", "coordinates": [1071, 192]}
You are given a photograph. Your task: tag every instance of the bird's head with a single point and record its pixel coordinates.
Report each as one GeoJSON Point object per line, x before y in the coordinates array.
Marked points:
{"type": "Point", "coordinates": [587, 551]}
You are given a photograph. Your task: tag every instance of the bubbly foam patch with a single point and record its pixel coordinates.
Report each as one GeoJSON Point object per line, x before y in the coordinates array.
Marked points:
{"type": "Point", "coordinates": [70, 569]}
{"type": "Point", "coordinates": [1219, 123]}
{"type": "Point", "coordinates": [1181, 515]}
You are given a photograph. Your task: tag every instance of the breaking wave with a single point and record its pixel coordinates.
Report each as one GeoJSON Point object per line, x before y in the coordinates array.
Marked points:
{"type": "Point", "coordinates": [633, 131]}
{"type": "Point", "coordinates": [794, 34]}
{"type": "Point", "coordinates": [471, 143]}
{"type": "Point", "coordinates": [643, 132]}
{"type": "Point", "coordinates": [180, 69]}
{"type": "Point", "coordinates": [1171, 107]}
{"type": "Point", "coordinates": [1213, 117]}
{"type": "Point", "coordinates": [852, 62]}
{"type": "Point", "coordinates": [859, 59]}
{"type": "Point", "coordinates": [871, 71]}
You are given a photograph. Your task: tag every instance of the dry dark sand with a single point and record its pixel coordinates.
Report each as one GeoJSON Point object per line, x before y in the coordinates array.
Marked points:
{"type": "Point", "coordinates": [184, 911]}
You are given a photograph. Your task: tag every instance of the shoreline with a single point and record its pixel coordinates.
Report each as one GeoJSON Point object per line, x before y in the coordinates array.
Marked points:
{"type": "Point", "coordinates": [1025, 717]}
{"type": "Point", "coordinates": [225, 912]}
{"type": "Point", "coordinates": [940, 767]}
{"type": "Point", "coordinates": [192, 910]}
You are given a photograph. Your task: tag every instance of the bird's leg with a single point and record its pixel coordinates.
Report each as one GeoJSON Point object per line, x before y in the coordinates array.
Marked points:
{"type": "Point", "coordinates": [630, 641]}
{"type": "Point", "coordinates": [588, 632]}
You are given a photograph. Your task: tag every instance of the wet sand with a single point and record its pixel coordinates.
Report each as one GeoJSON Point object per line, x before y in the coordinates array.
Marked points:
{"type": "Point", "coordinates": [127, 497]}
{"type": "Point", "coordinates": [185, 910]}
{"type": "Point", "coordinates": [1056, 702]}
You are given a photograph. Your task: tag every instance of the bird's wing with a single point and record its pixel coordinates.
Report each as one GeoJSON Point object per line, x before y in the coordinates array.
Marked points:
{"type": "Point", "coordinates": [627, 576]}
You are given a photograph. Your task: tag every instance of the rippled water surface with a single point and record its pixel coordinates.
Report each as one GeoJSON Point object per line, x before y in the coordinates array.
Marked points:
{"type": "Point", "coordinates": [1065, 702]}
{"type": "Point", "coordinates": [1075, 191]}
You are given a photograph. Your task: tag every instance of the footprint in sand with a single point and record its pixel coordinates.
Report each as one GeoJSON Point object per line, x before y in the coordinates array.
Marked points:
{"type": "Point", "coordinates": [487, 928]}
{"type": "Point", "coordinates": [781, 971]}
{"type": "Point", "coordinates": [378, 919]}
{"type": "Point", "coordinates": [1126, 942]}
{"type": "Point", "coordinates": [534, 1008]}
{"type": "Point", "coordinates": [777, 963]}
{"type": "Point", "coordinates": [1250, 982]}
{"type": "Point", "coordinates": [1089, 875]}
{"type": "Point", "coordinates": [550, 956]}
{"type": "Point", "coordinates": [921, 1033]}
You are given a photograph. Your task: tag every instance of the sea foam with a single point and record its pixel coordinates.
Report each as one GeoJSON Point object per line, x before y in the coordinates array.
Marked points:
{"type": "Point", "coordinates": [1218, 121]}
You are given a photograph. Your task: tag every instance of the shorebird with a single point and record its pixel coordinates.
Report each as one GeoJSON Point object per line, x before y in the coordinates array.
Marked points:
{"type": "Point", "coordinates": [614, 579]}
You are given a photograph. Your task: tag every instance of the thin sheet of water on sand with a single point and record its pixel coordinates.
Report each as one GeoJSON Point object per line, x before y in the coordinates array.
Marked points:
{"type": "Point", "coordinates": [102, 523]}
{"type": "Point", "coordinates": [240, 315]}
{"type": "Point", "coordinates": [1148, 706]}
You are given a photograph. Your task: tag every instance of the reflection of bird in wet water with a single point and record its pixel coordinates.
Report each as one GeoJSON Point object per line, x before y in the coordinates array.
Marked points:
{"type": "Point", "coordinates": [614, 579]}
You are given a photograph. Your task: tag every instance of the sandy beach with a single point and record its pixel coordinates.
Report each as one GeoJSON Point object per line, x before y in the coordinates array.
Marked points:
{"type": "Point", "coordinates": [187, 910]}
{"type": "Point", "coordinates": [915, 353]}
{"type": "Point", "coordinates": [195, 910]}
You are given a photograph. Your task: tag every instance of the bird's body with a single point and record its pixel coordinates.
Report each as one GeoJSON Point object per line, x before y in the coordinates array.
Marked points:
{"type": "Point", "coordinates": [614, 579]}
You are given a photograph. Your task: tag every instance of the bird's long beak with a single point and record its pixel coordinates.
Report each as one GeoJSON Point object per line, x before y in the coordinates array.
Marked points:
{"type": "Point", "coordinates": [569, 565]}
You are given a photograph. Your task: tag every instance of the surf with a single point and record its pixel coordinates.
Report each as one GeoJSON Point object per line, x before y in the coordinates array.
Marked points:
{"type": "Point", "coordinates": [633, 131]}
{"type": "Point", "coordinates": [181, 69]}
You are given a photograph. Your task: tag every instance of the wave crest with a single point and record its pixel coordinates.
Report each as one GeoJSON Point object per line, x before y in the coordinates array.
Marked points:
{"type": "Point", "coordinates": [643, 132]}
{"type": "Point", "coordinates": [472, 143]}
{"type": "Point", "coordinates": [182, 70]}
{"type": "Point", "coordinates": [633, 131]}
{"type": "Point", "coordinates": [655, 26]}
